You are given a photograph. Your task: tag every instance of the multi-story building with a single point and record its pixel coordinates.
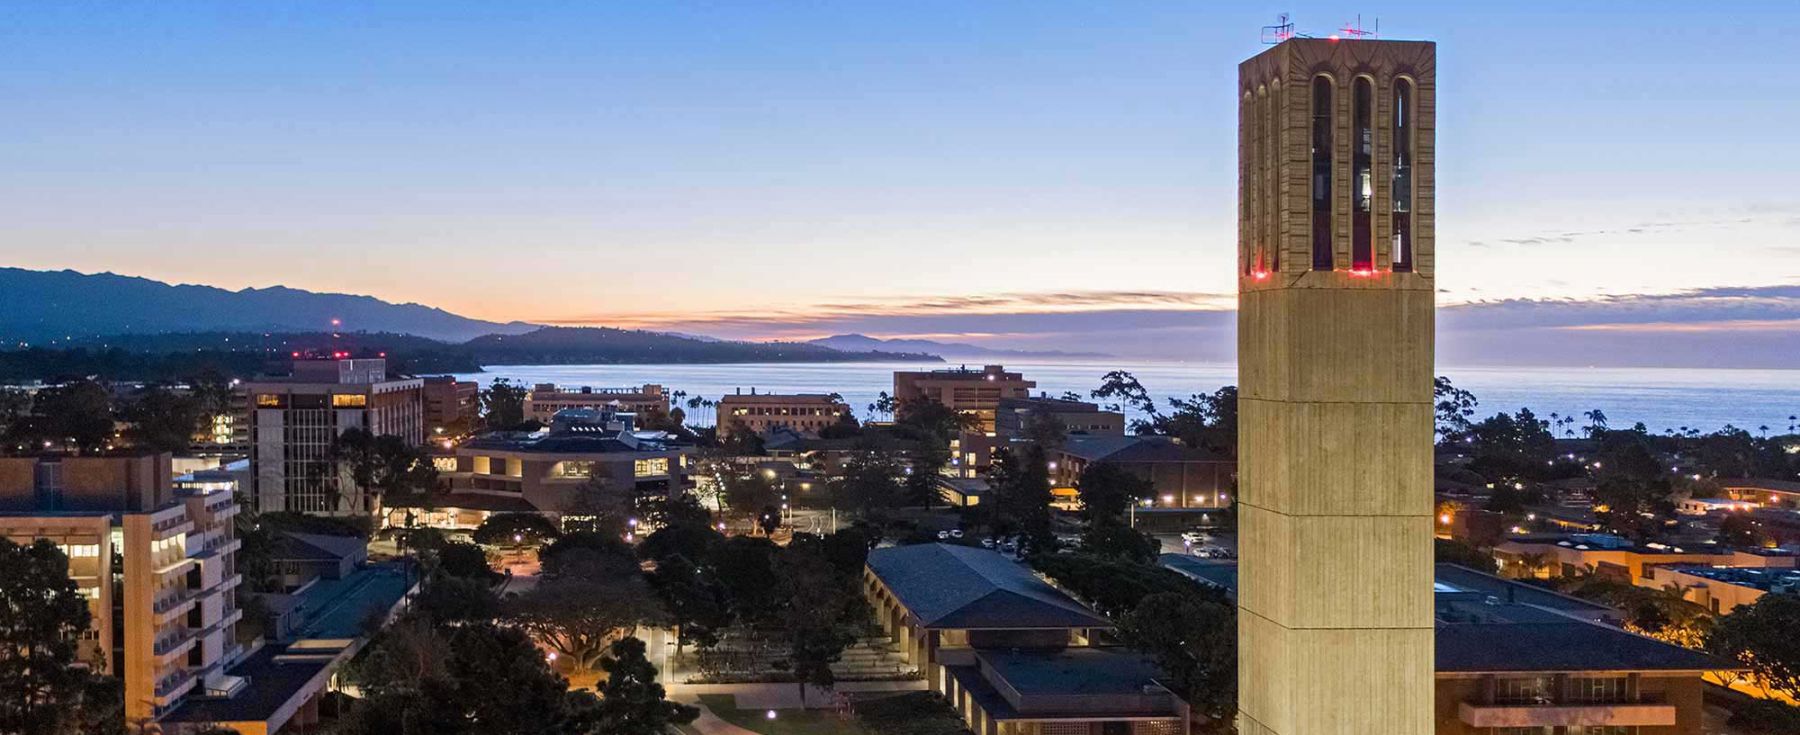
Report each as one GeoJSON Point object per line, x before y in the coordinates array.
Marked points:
{"type": "Point", "coordinates": [545, 399]}
{"type": "Point", "coordinates": [973, 392]}
{"type": "Point", "coordinates": [559, 471]}
{"type": "Point", "coordinates": [295, 422]}
{"type": "Point", "coordinates": [1182, 477]}
{"type": "Point", "coordinates": [1014, 655]}
{"type": "Point", "coordinates": [805, 414]}
{"type": "Point", "coordinates": [1336, 291]}
{"type": "Point", "coordinates": [451, 406]}
{"type": "Point", "coordinates": [972, 452]}
{"type": "Point", "coordinates": [158, 567]}
{"type": "Point", "coordinates": [1517, 659]}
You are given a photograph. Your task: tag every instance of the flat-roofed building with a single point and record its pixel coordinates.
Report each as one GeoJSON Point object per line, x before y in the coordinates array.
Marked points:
{"type": "Point", "coordinates": [972, 454]}
{"type": "Point", "coordinates": [451, 406]}
{"type": "Point", "coordinates": [295, 422]}
{"type": "Point", "coordinates": [1181, 476]}
{"type": "Point", "coordinates": [1723, 589]}
{"type": "Point", "coordinates": [1561, 555]}
{"type": "Point", "coordinates": [1516, 659]}
{"type": "Point", "coordinates": [973, 392]}
{"type": "Point", "coordinates": [805, 414]}
{"type": "Point", "coordinates": [545, 399]}
{"type": "Point", "coordinates": [556, 471]}
{"type": "Point", "coordinates": [158, 567]}
{"type": "Point", "coordinates": [1013, 654]}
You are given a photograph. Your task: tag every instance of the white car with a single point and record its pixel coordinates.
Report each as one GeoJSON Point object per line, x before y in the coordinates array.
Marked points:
{"type": "Point", "coordinates": [956, 533]}
{"type": "Point", "coordinates": [988, 543]}
{"type": "Point", "coordinates": [1193, 537]}
{"type": "Point", "coordinates": [943, 535]}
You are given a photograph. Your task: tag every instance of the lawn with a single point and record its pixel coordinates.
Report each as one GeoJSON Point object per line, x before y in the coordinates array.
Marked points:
{"type": "Point", "coordinates": [788, 721]}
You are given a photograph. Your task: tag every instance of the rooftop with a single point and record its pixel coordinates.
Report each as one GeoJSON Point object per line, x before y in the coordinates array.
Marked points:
{"type": "Point", "coordinates": [967, 588]}
{"type": "Point", "coordinates": [337, 608]}
{"type": "Point", "coordinates": [317, 547]}
{"type": "Point", "coordinates": [1134, 449]}
{"type": "Point", "coordinates": [1767, 580]}
{"type": "Point", "coordinates": [1078, 670]}
{"type": "Point", "coordinates": [273, 678]}
{"type": "Point", "coordinates": [1215, 572]}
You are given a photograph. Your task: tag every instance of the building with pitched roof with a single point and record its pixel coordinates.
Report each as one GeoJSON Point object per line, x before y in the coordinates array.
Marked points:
{"type": "Point", "coordinates": [1014, 654]}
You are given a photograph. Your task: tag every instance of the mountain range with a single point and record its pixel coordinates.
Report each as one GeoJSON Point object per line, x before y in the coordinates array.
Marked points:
{"type": "Point", "coordinates": [41, 306]}
{"type": "Point", "coordinates": [865, 343]}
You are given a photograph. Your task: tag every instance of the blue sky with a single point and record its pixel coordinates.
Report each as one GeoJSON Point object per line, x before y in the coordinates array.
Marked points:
{"type": "Point", "coordinates": [1016, 173]}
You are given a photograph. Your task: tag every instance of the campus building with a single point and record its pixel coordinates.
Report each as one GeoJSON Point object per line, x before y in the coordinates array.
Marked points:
{"type": "Point", "coordinates": [804, 414]}
{"type": "Point", "coordinates": [974, 392]}
{"type": "Point", "coordinates": [1014, 655]}
{"type": "Point", "coordinates": [295, 422]}
{"type": "Point", "coordinates": [1335, 307]}
{"type": "Point", "coordinates": [1546, 556]}
{"type": "Point", "coordinates": [1723, 589]}
{"type": "Point", "coordinates": [561, 471]}
{"type": "Point", "coordinates": [1182, 477]}
{"type": "Point", "coordinates": [1015, 420]}
{"type": "Point", "coordinates": [157, 566]}
{"type": "Point", "coordinates": [1516, 659]}
{"type": "Point", "coordinates": [450, 404]}
{"type": "Point", "coordinates": [546, 399]}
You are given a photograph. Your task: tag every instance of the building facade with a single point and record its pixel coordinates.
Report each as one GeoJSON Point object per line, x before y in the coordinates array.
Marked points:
{"type": "Point", "coordinates": [158, 567]}
{"type": "Point", "coordinates": [973, 392]}
{"type": "Point", "coordinates": [451, 406]}
{"type": "Point", "coordinates": [295, 422]}
{"type": "Point", "coordinates": [545, 399]}
{"type": "Point", "coordinates": [1335, 311]}
{"type": "Point", "coordinates": [805, 414]}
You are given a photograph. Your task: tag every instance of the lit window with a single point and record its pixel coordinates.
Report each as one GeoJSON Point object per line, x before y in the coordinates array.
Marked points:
{"type": "Point", "coordinates": [268, 400]}
{"type": "Point", "coordinates": [349, 400]}
{"type": "Point", "coordinates": [444, 464]}
{"type": "Point", "coordinates": [574, 469]}
{"type": "Point", "coordinates": [1321, 174]}
{"type": "Point", "coordinates": [651, 467]}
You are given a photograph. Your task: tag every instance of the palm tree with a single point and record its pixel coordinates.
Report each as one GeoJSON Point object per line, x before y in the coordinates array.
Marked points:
{"type": "Point", "coordinates": [1763, 430]}
{"type": "Point", "coordinates": [1596, 421]}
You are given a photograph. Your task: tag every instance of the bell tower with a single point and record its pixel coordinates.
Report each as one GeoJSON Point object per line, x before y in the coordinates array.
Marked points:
{"type": "Point", "coordinates": [1335, 310]}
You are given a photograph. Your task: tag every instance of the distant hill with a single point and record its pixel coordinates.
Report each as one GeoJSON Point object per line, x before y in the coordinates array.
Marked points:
{"type": "Point", "coordinates": [599, 345]}
{"type": "Point", "coordinates": [40, 306]}
{"type": "Point", "coordinates": [864, 343]}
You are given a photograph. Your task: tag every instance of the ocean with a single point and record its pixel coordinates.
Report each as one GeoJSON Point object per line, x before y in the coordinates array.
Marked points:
{"type": "Point", "coordinates": [1661, 398]}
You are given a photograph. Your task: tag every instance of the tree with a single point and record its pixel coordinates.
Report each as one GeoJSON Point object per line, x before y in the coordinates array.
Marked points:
{"type": "Point", "coordinates": [1044, 429]}
{"type": "Point", "coordinates": [1761, 637]}
{"type": "Point", "coordinates": [1021, 488]}
{"type": "Point", "coordinates": [515, 528]}
{"type": "Point", "coordinates": [1203, 421]}
{"type": "Point", "coordinates": [695, 601]}
{"type": "Point", "coordinates": [1632, 490]}
{"type": "Point", "coordinates": [1124, 390]}
{"type": "Point", "coordinates": [78, 414]}
{"type": "Point", "coordinates": [921, 484]}
{"type": "Point", "coordinates": [446, 598]}
{"type": "Point", "coordinates": [745, 568]}
{"type": "Point", "coordinates": [503, 404]}
{"type": "Point", "coordinates": [162, 420]}
{"type": "Point", "coordinates": [1107, 490]}
{"type": "Point", "coordinates": [883, 406]}
{"type": "Point", "coordinates": [1451, 551]}
{"type": "Point", "coordinates": [1455, 407]}
{"type": "Point", "coordinates": [632, 703]}
{"type": "Point", "coordinates": [1194, 640]}
{"type": "Point", "coordinates": [822, 611]}
{"type": "Point", "coordinates": [871, 480]}
{"type": "Point", "coordinates": [690, 538]}
{"type": "Point", "coordinates": [417, 679]}
{"type": "Point", "coordinates": [746, 493]}
{"type": "Point", "coordinates": [594, 597]}
{"type": "Point", "coordinates": [928, 420]}
{"type": "Point", "coordinates": [463, 560]}
{"type": "Point", "coordinates": [1596, 422]}
{"type": "Point", "coordinates": [1744, 532]}
{"type": "Point", "coordinates": [385, 465]}
{"type": "Point", "coordinates": [42, 617]}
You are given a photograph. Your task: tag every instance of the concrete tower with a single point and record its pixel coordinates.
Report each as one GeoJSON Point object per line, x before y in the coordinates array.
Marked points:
{"type": "Point", "coordinates": [1335, 264]}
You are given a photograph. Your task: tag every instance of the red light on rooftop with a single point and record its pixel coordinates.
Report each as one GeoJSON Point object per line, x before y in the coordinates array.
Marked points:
{"type": "Point", "coordinates": [1260, 275]}
{"type": "Point", "coordinates": [1333, 37]}
{"type": "Point", "coordinates": [1362, 273]}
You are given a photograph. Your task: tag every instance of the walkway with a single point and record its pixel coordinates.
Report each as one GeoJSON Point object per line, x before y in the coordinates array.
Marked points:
{"type": "Point", "coordinates": [778, 695]}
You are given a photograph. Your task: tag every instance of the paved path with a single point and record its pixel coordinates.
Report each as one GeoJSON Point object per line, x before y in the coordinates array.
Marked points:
{"type": "Point", "coordinates": [710, 724]}
{"type": "Point", "coordinates": [764, 696]}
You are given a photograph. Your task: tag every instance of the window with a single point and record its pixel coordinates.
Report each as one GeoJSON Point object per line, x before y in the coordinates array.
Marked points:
{"type": "Point", "coordinates": [1362, 176]}
{"type": "Point", "coordinates": [1321, 174]}
{"type": "Point", "coordinates": [573, 468]}
{"type": "Point", "coordinates": [650, 467]}
{"type": "Point", "coordinates": [443, 464]}
{"type": "Point", "coordinates": [1525, 690]}
{"type": "Point", "coordinates": [349, 400]}
{"type": "Point", "coordinates": [1599, 689]}
{"type": "Point", "coordinates": [268, 400]}
{"type": "Point", "coordinates": [1402, 176]}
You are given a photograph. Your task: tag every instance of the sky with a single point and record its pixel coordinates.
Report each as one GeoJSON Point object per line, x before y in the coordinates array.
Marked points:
{"type": "Point", "coordinates": [1034, 174]}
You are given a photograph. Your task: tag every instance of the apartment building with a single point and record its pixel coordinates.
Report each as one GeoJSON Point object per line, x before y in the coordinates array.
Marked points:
{"type": "Point", "coordinates": [805, 414]}
{"type": "Point", "coordinates": [1723, 589]}
{"type": "Point", "coordinates": [545, 399]}
{"type": "Point", "coordinates": [295, 422]}
{"type": "Point", "coordinates": [157, 565]}
{"type": "Point", "coordinates": [974, 392]}
{"type": "Point", "coordinates": [1014, 655]}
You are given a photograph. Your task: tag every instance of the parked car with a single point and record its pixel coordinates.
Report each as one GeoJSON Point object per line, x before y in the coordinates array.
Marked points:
{"type": "Point", "coordinates": [943, 535]}
{"type": "Point", "coordinates": [956, 533]}
{"type": "Point", "coordinates": [1194, 537]}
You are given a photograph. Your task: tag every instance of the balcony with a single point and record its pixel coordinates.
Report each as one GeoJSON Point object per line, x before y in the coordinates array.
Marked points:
{"type": "Point", "coordinates": [1645, 714]}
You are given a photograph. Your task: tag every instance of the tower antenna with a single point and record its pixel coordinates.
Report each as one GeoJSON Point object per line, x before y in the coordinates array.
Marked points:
{"type": "Point", "coordinates": [1281, 31]}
